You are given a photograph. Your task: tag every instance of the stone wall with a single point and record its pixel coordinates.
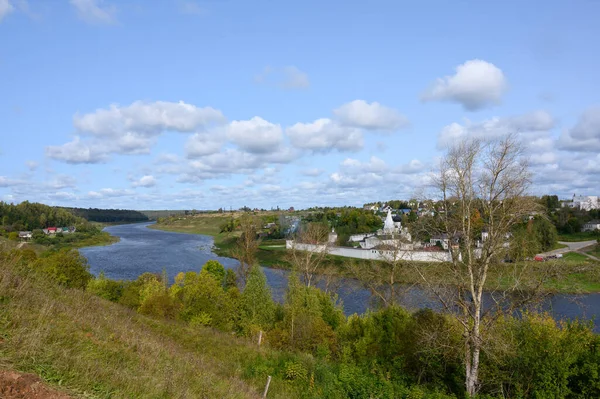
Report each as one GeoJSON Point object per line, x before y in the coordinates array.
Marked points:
{"type": "Point", "coordinates": [373, 254]}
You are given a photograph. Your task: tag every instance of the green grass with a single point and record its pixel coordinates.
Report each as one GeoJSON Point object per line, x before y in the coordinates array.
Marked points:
{"type": "Point", "coordinates": [595, 251]}
{"type": "Point", "coordinates": [581, 236]}
{"type": "Point", "coordinates": [209, 224]}
{"type": "Point", "coordinates": [559, 246]}
{"type": "Point", "coordinates": [575, 256]}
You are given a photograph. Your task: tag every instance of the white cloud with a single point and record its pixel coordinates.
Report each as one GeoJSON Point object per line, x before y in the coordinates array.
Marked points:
{"type": "Point", "coordinates": [414, 166]}
{"type": "Point", "coordinates": [167, 158]}
{"type": "Point", "coordinates": [61, 181]}
{"type": "Point", "coordinates": [255, 135]}
{"type": "Point", "coordinates": [202, 144]}
{"type": "Point", "coordinates": [32, 165]}
{"type": "Point", "coordinates": [374, 164]}
{"type": "Point", "coordinates": [145, 181]}
{"type": "Point", "coordinates": [95, 11]}
{"type": "Point", "coordinates": [7, 182]}
{"type": "Point", "coordinates": [313, 172]}
{"type": "Point", "coordinates": [585, 135]}
{"type": "Point", "coordinates": [132, 129]}
{"type": "Point", "coordinates": [5, 8]}
{"type": "Point", "coordinates": [233, 161]}
{"type": "Point", "coordinates": [76, 152]}
{"type": "Point", "coordinates": [62, 196]}
{"type": "Point", "coordinates": [475, 85]}
{"type": "Point", "coordinates": [527, 124]}
{"type": "Point", "coordinates": [148, 119]}
{"type": "Point", "coordinates": [288, 77]}
{"type": "Point", "coordinates": [325, 135]}
{"type": "Point", "coordinates": [373, 116]}
{"type": "Point", "coordinates": [110, 193]}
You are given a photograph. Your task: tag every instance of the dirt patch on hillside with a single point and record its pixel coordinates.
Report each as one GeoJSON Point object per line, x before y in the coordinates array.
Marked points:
{"type": "Point", "coordinates": [14, 385]}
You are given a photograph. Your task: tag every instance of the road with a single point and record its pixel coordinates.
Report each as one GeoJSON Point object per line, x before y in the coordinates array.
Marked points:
{"type": "Point", "coordinates": [572, 247]}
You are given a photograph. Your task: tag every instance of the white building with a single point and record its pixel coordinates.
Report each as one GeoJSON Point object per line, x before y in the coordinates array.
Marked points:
{"type": "Point", "coordinates": [591, 225]}
{"type": "Point", "coordinates": [584, 202]}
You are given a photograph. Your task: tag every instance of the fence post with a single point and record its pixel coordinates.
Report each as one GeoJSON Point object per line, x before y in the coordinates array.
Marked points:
{"type": "Point", "coordinates": [267, 387]}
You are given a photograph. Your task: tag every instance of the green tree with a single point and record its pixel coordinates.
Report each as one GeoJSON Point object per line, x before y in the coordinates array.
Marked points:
{"type": "Point", "coordinates": [257, 306]}
{"type": "Point", "coordinates": [216, 270]}
{"type": "Point", "coordinates": [67, 267]}
{"type": "Point", "coordinates": [105, 288]}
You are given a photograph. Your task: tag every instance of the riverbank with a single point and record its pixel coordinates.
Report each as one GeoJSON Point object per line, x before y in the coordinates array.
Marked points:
{"type": "Point", "coordinates": [100, 239]}
{"type": "Point", "coordinates": [578, 274]}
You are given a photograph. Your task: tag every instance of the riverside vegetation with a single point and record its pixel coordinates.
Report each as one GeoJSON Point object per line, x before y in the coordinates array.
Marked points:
{"type": "Point", "coordinates": [97, 337]}
{"type": "Point", "coordinates": [34, 217]}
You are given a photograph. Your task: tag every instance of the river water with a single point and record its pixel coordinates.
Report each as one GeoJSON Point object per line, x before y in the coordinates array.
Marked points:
{"type": "Point", "coordinates": [146, 250]}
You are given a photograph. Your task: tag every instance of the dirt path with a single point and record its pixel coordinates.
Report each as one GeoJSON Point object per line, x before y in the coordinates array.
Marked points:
{"type": "Point", "coordinates": [14, 385]}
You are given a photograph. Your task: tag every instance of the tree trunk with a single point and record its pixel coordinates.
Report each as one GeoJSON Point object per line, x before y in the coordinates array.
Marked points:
{"type": "Point", "coordinates": [473, 349]}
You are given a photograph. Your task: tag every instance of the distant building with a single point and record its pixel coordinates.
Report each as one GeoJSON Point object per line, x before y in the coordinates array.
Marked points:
{"type": "Point", "coordinates": [592, 225]}
{"type": "Point", "coordinates": [583, 202]}
{"type": "Point", "coordinates": [441, 239]}
{"type": "Point", "coordinates": [25, 235]}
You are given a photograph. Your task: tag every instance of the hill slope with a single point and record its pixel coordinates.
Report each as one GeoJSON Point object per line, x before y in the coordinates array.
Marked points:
{"type": "Point", "coordinates": [96, 348]}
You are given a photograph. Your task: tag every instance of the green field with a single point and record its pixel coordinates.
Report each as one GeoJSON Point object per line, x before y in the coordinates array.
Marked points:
{"type": "Point", "coordinates": [581, 236]}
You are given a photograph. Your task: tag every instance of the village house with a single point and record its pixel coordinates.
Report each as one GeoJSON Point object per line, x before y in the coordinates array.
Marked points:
{"type": "Point", "coordinates": [25, 235]}
{"type": "Point", "coordinates": [592, 225]}
{"type": "Point", "coordinates": [56, 230]}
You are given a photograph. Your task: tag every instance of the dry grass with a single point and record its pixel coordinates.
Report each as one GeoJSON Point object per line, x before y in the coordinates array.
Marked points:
{"type": "Point", "coordinates": [100, 349]}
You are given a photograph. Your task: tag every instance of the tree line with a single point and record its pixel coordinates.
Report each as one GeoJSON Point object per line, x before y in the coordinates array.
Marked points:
{"type": "Point", "coordinates": [109, 215]}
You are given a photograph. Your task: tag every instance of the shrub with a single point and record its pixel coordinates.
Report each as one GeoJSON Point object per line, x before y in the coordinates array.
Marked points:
{"type": "Point", "coordinates": [105, 288]}
{"type": "Point", "coordinates": [67, 267]}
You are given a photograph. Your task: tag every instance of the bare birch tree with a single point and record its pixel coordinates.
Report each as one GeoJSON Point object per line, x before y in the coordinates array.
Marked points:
{"type": "Point", "coordinates": [386, 279]}
{"type": "Point", "coordinates": [310, 263]}
{"type": "Point", "coordinates": [483, 187]}
{"type": "Point", "coordinates": [247, 245]}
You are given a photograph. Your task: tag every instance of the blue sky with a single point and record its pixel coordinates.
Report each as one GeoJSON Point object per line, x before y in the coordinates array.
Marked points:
{"type": "Point", "coordinates": [219, 103]}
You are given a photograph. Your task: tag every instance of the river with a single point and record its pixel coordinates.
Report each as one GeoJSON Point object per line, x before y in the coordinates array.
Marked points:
{"type": "Point", "coordinates": [147, 250]}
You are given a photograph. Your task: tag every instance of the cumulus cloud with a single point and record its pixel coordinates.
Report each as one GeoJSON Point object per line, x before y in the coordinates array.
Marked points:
{"type": "Point", "coordinates": [233, 161]}
{"type": "Point", "coordinates": [61, 181]}
{"type": "Point", "coordinates": [202, 144]}
{"type": "Point", "coordinates": [585, 135]}
{"type": "Point", "coordinates": [166, 158]}
{"type": "Point", "coordinates": [148, 119]}
{"type": "Point", "coordinates": [109, 193]}
{"type": "Point", "coordinates": [374, 164]}
{"type": "Point", "coordinates": [145, 181]}
{"type": "Point", "coordinates": [324, 135]}
{"type": "Point", "coordinates": [75, 152]}
{"type": "Point", "coordinates": [534, 122]}
{"type": "Point", "coordinates": [5, 8]}
{"type": "Point", "coordinates": [95, 12]}
{"type": "Point", "coordinates": [7, 182]}
{"type": "Point", "coordinates": [373, 116]}
{"type": "Point", "coordinates": [475, 85]}
{"type": "Point", "coordinates": [255, 135]}
{"type": "Point", "coordinates": [313, 172]}
{"type": "Point", "coordinates": [131, 129]}
{"type": "Point", "coordinates": [288, 77]}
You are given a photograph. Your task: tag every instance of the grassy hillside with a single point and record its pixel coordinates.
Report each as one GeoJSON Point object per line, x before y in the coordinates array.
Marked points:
{"type": "Point", "coordinates": [96, 348]}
